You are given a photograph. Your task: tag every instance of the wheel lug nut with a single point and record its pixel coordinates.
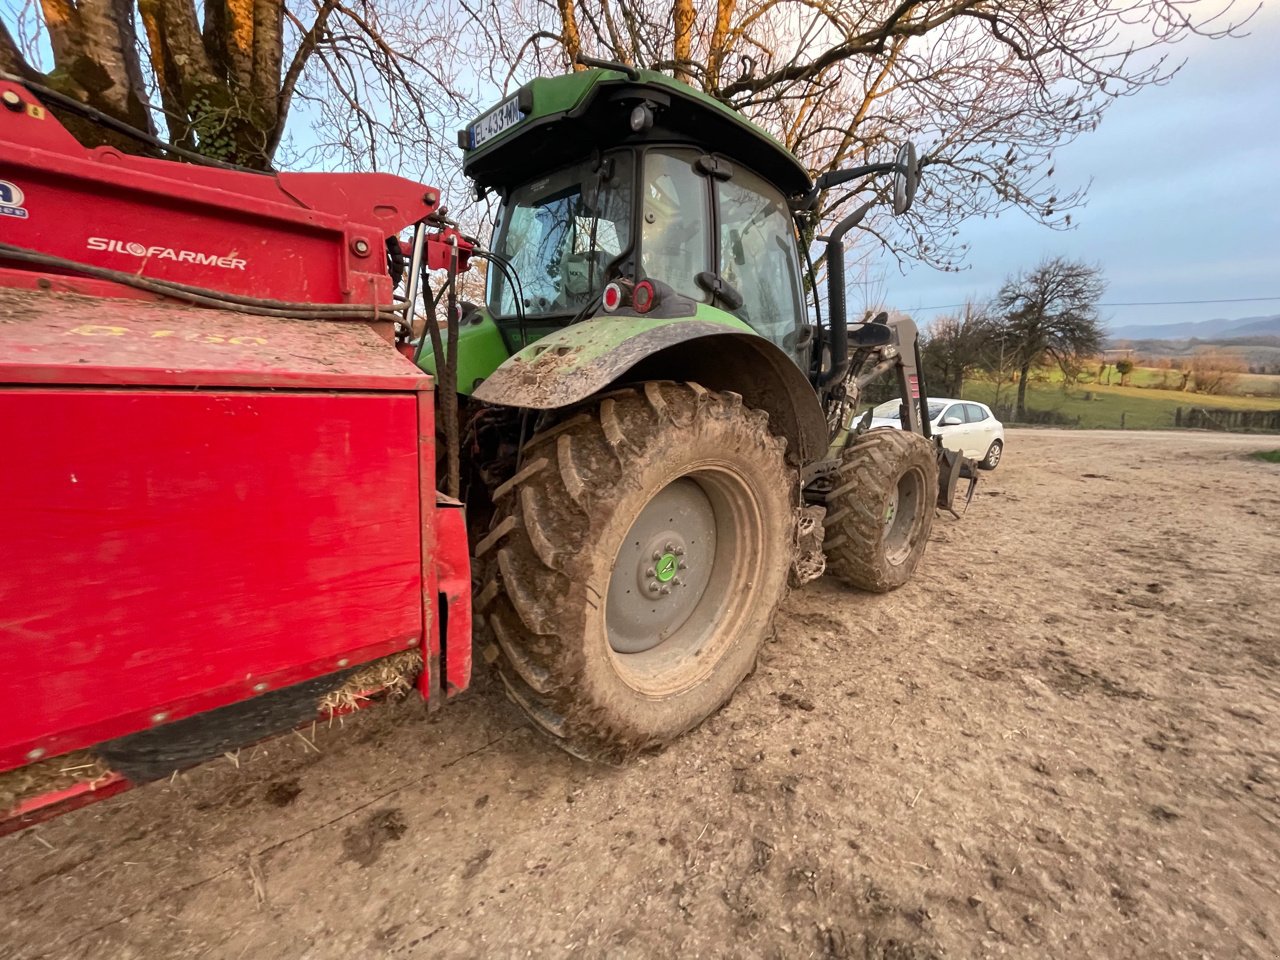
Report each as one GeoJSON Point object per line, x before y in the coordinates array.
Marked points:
{"type": "Point", "coordinates": [665, 590]}
{"type": "Point", "coordinates": [651, 572]}
{"type": "Point", "coordinates": [653, 586]}
{"type": "Point", "coordinates": [657, 555]}
{"type": "Point", "coordinates": [668, 547]}
{"type": "Point", "coordinates": [678, 551]}
{"type": "Point", "coordinates": [683, 565]}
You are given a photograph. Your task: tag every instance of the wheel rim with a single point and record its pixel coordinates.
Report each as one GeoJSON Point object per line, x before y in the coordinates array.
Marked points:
{"type": "Point", "coordinates": [678, 578]}
{"type": "Point", "coordinates": [993, 455]}
{"type": "Point", "coordinates": [902, 515]}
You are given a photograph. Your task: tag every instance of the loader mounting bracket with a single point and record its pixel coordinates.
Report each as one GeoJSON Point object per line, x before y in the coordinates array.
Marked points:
{"type": "Point", "coordinates": [952, 467]}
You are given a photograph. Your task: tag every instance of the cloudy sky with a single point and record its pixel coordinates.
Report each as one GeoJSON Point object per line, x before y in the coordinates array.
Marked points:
{"type": "Point", "coordinates": [1185, 200]}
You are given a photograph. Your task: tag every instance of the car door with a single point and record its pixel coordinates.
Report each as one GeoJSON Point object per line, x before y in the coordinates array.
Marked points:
{"type": "Point", "coordinates": [952, 434]}
{"type": "Point", "coordinates": [978, 431]}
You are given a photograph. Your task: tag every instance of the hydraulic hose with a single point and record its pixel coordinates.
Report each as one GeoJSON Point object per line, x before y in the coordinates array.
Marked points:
{"type": "Point", "coordinates": [205, 297]}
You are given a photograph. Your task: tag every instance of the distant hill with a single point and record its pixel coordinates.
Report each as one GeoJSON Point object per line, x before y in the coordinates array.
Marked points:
{"type": "Point", "coordinates": [1200, 329]}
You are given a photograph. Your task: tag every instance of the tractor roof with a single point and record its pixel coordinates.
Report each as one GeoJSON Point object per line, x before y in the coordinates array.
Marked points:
{"type": "Point", "coordinates": [552, 121]}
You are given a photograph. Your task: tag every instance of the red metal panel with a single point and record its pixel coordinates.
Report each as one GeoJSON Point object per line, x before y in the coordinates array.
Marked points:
{"type": "Point", "coordinates": [431, 679]}
{"type": "Point", "coordinates": [453, 582]}
{"type": "Point", "coordinates": [66, 338]}
{"type": "Point", "coordinates": [446, 577]}
{"type": "Point", "coordinates": [164, 552]}
{"type": "Point", "coordinates": [315, 237]}
{"type": "Point", "coordinates": [57, 802]}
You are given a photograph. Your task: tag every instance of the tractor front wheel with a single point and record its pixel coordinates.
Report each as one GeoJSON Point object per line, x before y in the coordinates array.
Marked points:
{"type": "Point", "coordinates": [635, 563]}
{"type": "Point", "coordinates": [881, 511]}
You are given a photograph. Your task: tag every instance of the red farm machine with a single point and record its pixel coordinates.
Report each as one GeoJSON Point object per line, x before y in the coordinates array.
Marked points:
{"type": "Point", "coordinates": [220, 500]}
{"type": "Point", "coordinates": [227, 429]}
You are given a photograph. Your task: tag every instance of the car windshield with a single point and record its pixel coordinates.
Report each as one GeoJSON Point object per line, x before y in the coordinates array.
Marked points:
{"type": "Point", "coordinates": [560, 232]}
{"type": "Point", "coordinates": [892, 409]}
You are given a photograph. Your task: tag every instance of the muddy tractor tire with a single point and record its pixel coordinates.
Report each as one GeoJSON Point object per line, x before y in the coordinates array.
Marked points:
{"type": "Point", "coordinates": [881, 511]}
{"type": "Point", "coordinates": [635, 563]}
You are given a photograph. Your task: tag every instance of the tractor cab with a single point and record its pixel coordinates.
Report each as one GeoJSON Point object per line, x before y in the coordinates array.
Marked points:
{"type": "Point", "coordinates": [626, 192]}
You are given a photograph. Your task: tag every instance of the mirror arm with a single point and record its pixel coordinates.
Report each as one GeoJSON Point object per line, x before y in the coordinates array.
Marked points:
{"type": "Point", "coordinates": [833, 178]}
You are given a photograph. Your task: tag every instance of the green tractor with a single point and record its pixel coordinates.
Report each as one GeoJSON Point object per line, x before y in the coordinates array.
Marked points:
{"type": "Point", "coordinates": [651, 432]}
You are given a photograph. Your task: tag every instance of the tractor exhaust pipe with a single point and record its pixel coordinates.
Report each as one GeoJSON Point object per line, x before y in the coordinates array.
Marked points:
{"type": "Point", "coordinates": [839, 341]}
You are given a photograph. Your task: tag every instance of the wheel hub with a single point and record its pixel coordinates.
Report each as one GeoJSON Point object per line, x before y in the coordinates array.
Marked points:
{"type": "Point", "coordinates": [890, 510]}
{"type": "Point", "coordinates": [661, 565]}
{"type": "Point", "coordinates": [902, 509]}
{"type": "Point", "coordinates": [662, 568]}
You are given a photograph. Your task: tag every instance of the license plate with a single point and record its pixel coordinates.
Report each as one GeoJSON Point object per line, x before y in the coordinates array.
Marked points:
{"type": "Point", "coordinates": [501, 118]}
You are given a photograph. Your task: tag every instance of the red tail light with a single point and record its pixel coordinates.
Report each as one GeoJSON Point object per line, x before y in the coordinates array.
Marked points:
{"type": "Point", "coordinates": [644, 296]}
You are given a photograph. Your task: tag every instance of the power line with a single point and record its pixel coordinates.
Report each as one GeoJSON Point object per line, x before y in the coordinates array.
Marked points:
{"type": "Point", "coordinates": [1178, 303]}
{"type": "Point", "coordinates": [1127, 303]}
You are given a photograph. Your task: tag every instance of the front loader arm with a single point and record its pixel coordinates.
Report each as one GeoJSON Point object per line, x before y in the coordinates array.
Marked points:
{"type": "Point", "coordinates": [901, 354]}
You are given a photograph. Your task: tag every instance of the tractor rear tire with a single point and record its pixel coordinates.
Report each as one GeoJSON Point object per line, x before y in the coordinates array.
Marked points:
{"type": "Point", "coordinates": [881, 511]}
{"type": "Point", "coordinates": [635, 563]}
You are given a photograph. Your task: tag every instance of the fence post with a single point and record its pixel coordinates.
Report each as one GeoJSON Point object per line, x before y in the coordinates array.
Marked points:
{"type": "Point", "coordinates": [1121, 419]}
{"type": "Point", "coordinates": [1177, 417]}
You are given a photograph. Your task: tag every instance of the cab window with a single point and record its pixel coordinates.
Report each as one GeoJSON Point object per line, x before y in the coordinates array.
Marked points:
{"type": "Point", "coordinates": [559, 233]}
{"type": "Point", "coordinates": [675, 239]}
{"type": "Point", "coordinates": [758, 256]}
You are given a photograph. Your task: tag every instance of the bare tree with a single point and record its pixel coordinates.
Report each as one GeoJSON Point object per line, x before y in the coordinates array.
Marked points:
{"type": "Point", "coordinates": [373, 76]}
{"type": "Point", "coordinates": [955, 346]}
{"type": "Point", "coordinates": [1214, 372]}
{"type": "Point", "coordinates": [1072, 364]}
{"type": "Point", "coordinates": [1050, 312]}
{"type": "Point", "coordinates": [990, 88]}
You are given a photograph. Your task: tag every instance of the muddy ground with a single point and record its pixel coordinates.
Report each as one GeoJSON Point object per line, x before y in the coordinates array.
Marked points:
{"type": "Point", "coordinates": [1061, 740]}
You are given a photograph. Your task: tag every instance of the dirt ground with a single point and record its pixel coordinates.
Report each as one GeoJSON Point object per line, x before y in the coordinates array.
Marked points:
{"type": "Point", "coordinates": [1061, 740]}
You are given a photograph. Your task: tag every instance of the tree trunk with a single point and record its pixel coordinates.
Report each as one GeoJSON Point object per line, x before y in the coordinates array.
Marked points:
{"type": "Point", "coordinates": [682, 18]}
{"type": "Point", "coordinates": [719, 41]}
{"type": "Point", "coordinates": [1020, 411]}
{"type": "Point", "coordinates": [95, 58]}
{"type": "Point", "coordinates": [569, 31]}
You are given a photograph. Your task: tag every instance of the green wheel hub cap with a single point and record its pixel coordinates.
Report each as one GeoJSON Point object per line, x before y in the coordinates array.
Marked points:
{"type": "Point", "coordinates": [665, 568]}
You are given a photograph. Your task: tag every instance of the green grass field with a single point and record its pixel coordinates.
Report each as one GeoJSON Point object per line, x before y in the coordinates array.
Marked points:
{"type": "Point", "coordinates": [1254, 384]}
{"type": "Point", "coordinates": [1271, 456]}
{"type": "Point", "coordinates": [1142, 408]}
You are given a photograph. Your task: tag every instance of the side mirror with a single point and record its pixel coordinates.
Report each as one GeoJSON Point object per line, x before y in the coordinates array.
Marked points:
{"type": "Point", "coordinates": [906, 176]}
{"type": "Point", "coordinates": [952, 422]}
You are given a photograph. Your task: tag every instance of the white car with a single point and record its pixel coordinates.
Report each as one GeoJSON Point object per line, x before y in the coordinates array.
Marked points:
{"type": "Point", "coordinates": [966, 426]}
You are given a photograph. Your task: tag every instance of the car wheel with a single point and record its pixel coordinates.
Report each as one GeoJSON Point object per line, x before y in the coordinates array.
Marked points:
{"type": "Point", "coordinates": [992, 459]}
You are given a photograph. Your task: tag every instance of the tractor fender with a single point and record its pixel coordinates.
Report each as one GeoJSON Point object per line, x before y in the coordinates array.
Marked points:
{"type": "Point", "coordinates": [580, 360]}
